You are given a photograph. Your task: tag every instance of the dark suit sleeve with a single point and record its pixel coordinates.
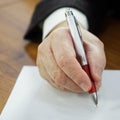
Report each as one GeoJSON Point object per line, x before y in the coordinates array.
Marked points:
{"type": "Point", "coordinates": [95, 11]}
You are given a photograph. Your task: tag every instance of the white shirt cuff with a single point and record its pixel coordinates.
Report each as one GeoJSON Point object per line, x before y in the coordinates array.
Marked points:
{"type": "Point", "coordinates": [58, 16]}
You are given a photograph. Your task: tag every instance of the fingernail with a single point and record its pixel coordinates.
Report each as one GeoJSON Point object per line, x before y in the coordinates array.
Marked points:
{"type": "Point", "coordinates": [84, 87]}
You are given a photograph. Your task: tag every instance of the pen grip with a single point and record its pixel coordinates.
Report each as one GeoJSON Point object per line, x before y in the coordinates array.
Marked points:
{"type": "Point", "coordinates": [87, 70]}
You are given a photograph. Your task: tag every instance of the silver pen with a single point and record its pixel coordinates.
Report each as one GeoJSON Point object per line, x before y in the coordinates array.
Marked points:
{"type": "Point", "coordinates": [79, 48]}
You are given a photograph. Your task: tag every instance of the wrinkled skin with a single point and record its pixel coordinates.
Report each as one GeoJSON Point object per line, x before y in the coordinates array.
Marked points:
{"type": "Point", "coordinates": [57, 63]}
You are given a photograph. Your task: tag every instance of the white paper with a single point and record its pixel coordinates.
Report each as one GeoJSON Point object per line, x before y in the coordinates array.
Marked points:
{"type": "Point", "coordinates": [33, 98]}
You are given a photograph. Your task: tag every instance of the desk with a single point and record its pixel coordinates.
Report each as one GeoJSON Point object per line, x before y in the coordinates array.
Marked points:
{"type": "Point", "coordinates": [16, 52]}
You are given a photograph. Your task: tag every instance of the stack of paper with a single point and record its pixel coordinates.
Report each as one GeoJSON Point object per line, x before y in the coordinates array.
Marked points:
{"type": "Point", "coordinates": [33, 98]}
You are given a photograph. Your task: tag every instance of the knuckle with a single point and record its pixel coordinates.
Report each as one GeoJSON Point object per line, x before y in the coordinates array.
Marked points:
{"type": "Point", "coordinates": [59, 78]}
{"type": "Point", "coordinates": [99, 42]}
{"type": "Point", "coordinates": [80, 78]}
{"type": "Point", "coordinates": [63, 61]}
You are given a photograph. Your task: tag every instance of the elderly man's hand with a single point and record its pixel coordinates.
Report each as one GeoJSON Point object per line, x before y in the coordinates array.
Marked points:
{"type": "Point", "coordinates": [57, 61]}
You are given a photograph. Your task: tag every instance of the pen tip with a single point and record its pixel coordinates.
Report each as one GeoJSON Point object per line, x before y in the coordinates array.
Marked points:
{"type": "Point", "coordinates": [95, 98]}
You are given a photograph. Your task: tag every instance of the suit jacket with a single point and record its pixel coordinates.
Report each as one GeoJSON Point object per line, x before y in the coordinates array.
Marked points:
{"type": "Point", "coordinates": [95, 11]}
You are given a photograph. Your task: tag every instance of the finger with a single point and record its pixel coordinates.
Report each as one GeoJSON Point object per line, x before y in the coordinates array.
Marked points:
{"type": "Point", "coordinates": [46, 76]}
{"type": "Point", "coordinates": [57, 75]}
{"type": "Point", "coordinates": [66, 60]}
{"type": "Point", "coordinates": [94, 49]}
{"type": "Point", "coordinates": [96, 69]}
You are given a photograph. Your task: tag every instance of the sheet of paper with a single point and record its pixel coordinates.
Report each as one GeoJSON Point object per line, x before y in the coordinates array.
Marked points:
{"type": "Point", "coordinates": [33, 98]}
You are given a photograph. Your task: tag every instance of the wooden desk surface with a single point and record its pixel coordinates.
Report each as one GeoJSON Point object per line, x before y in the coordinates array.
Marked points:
{"type": "Point", "coordinates": [15, 52]}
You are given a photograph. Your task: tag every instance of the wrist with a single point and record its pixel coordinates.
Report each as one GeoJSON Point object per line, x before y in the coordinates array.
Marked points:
{"type": "Point", "coordinates": [64, 24]}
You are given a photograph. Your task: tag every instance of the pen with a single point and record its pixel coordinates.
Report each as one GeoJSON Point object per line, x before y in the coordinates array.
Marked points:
{"type": "Point", "coordinates": [79, 48]}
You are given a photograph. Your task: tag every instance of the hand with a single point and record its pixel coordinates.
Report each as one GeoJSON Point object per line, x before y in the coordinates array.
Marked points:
{"type": "Point", "coordinates": [57, 61]}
